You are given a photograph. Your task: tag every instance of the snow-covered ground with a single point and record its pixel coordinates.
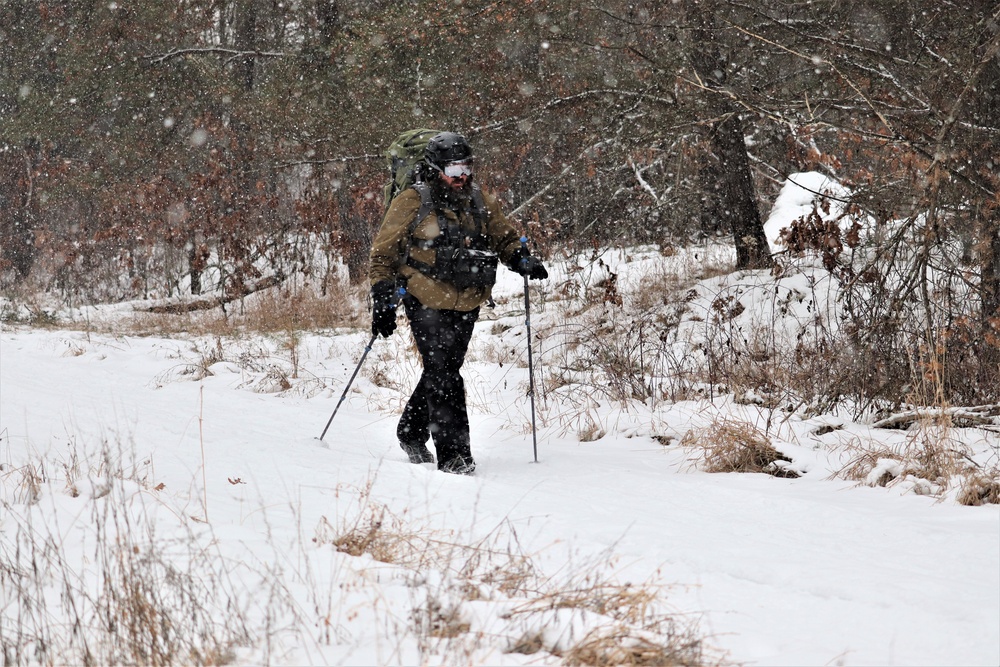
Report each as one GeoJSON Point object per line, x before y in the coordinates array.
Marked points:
{"type": "Point", "coordinates": [803, 571]}
{"type": "Point", "coordinates": [121, 453]}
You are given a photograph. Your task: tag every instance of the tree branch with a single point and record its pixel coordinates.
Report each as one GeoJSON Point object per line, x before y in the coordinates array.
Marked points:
{"type": "Point", "coordinates": [215, 301]}
{"type": "Point", "coordinates": [329, 160]}
{"type": "Point", "coordinates": [571, 99]}
{"type": "Point", "coordinates": [212, 50]}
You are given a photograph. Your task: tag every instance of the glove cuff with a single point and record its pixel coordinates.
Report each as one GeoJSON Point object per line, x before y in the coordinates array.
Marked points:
{"type": "Point", "coordinates": [384, 295]}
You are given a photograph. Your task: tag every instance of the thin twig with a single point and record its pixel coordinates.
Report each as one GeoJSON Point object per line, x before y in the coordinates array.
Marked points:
{"type": "Point", "coordinates": [213, 50]}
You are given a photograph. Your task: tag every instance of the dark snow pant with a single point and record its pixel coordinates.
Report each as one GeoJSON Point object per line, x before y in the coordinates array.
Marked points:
{"type": "Point", "coordinates": [436, 408]}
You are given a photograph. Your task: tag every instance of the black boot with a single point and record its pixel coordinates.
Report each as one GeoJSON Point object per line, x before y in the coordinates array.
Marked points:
{"type": "Point", "coordinates": [460, 465]}
{"type": "Point", "coordinates": [418, 453]}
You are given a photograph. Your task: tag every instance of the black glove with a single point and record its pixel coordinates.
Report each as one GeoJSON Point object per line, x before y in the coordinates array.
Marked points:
{"type": "Point", "coordinates": [522, 262]}
{"type": "Point", "coordinates": [384, 308]}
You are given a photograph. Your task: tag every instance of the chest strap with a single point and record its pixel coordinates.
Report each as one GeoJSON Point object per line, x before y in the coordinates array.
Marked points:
{"type": "Point", "coordinates": [427, 204]}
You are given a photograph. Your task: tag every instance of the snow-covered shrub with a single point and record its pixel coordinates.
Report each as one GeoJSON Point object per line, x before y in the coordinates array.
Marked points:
{"type": "Point", "coordinates": [732, 446]}
{"type": "Point", "coordinates": [980, 489]}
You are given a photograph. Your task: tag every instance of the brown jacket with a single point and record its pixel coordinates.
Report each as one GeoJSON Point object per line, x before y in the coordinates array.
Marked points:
{"type": "Point", "coordinates": [389, 251]}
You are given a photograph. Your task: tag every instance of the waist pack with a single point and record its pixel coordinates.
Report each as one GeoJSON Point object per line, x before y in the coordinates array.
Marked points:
{"type": "Point", "coordinates": [466, 267]}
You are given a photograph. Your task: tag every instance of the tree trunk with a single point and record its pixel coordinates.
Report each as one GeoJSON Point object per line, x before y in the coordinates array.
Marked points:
{"type": "Point", "coordinates": [17, 247]}
{"type": "Point", "coordinates": [356, 237]}
{"type": "Point", "coordinates": [328, 17]}
{"type": "Point", "coordinates": [989, 284]}
{"type": "Point", "coordinates": [986, 113]}
{"type": "Point", "coordinates": [248, 32]}
{"type": "Point", "coordinates": [245, 36]}
{"type": "Point", "coordinates": [738, 205]}
{"type": "Point", "coordinates": [736, 198]}
{"type": "Point", "coordinates": [198, 255]}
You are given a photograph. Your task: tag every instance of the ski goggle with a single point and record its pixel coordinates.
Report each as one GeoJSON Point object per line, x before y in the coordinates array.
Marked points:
{"type": "Point", "coordinates": [456, 169]}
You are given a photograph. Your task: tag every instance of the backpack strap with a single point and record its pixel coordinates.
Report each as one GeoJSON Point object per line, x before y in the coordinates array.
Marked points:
{"type": "Point", "coordinates": [479, 212]}
{"type": "Point", "coordinates": [426, 206]}
{"type": "Point", "coordinates": [479, 215]}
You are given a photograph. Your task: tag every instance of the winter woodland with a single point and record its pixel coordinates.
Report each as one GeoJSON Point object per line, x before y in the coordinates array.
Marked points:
{"type": "Point", "coordinates": [766, 362]}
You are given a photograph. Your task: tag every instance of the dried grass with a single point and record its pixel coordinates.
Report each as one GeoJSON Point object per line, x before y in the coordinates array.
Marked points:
{"type": "Point", "coordinates": [635, 630]}
{"type": "Point", "coordinates": [25, 481]}
{"type": "Point", "coordinates": [303, 308]}
{"type": "Point", "coordinates": [130, 603]}
{"type": "Point", "coordinates": [733, 446]}
{"type": "Point", "coordinates": [864, 459]}
{"type": "Point", "coordinates": [623, 646]}
{"type": "Point", "coordinates": [281, 309]}
{"type": "Point", "coordinates": [623, 602]}
{"type": "Point", "coordinates": [980, 489]}
{"type": "Point", "coordinates": [930, 459]}
{"type": "Point", "coordinates": [440, 621]}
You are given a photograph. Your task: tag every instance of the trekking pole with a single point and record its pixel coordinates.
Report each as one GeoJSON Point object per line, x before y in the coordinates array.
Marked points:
{"type": "Point", "coordinates": [531, 372]}
{"type": "Point", "coordinates": [368, 348]}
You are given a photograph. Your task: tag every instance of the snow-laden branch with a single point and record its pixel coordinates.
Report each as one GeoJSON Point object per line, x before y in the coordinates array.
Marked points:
{"type": "Point", "coordinates": [963, 416]}
{"type": "Point", "coordinates": [571, 99]}
{"type": "Point", "coordinates": [892, 133]}
{"type": "Point", "coordinates": [329, 160]}
{"type": "Point", "coordinates": [213, 50]}
{"type": "Point", "coordinates": [881, 72]}
{"type": "Point", "coordinates": [819, 60]}
{"type": "Point", "coordinates": [991, 51]}
{"type": "Point", "coordinates": [643, 183]}
{"type": "Point", "coordinates": [791, 26]}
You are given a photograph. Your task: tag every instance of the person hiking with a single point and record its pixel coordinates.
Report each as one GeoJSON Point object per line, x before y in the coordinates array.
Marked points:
{"type": "Point", "coordinates": [440, 241]}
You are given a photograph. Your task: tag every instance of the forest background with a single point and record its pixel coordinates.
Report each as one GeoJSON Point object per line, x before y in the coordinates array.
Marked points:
{"type": "Point", "coordinates": [152, 150]}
